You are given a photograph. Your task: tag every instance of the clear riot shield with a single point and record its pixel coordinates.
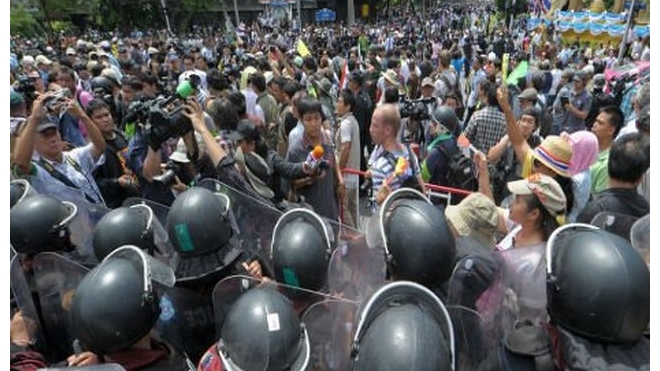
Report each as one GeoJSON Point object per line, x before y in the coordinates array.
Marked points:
{"type": "Point", "coordinates": [186, 320]}
{"type": "Point", "coordinates": [55, 281]}
{"type": "Point", "coordinates": [503, 288]}
{"type": "Point", "coordinates": [164, 250]}
{"type": "Point", "coordinates": [474, 350]}
{"type": "Point", "coordinates": [82, 230]}
{"type": "Point", "coordinates": [320, 309]}
{"type": "Point", "coordinates": [331, 325]}
{"type": "Point", "coordinates": [254, 219]}
{"type": "Point", "coordinates": [23, 300]}
{"type": "Point", "coordinates": [640, 237]}
{"type": "Point", "coordinates": [160, 210]}
{"type": "Point", "coordinates": [356, 270]}
{"type": "Point", "coordinates": [103, 367]}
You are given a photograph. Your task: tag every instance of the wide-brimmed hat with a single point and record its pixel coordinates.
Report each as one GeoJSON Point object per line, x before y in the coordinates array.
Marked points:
{"type": "Point", "coordinates": [391, 76]}
{"type": "Point", "coordinates": [547, 190]}
{"type": "Point", "coordinates": [529, 94]}
{"type": "Point", "coordinates": [555, 153]}
{"type": "Point", "coordinates": [476, 215]}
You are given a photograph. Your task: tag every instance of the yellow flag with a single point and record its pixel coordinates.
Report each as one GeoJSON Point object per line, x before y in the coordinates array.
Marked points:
{"type": "Point", "coordinates": [301, 48]}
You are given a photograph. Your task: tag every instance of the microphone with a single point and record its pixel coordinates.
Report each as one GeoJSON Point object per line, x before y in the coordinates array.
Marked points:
{"type": "Point", "coordinates": [315, 157]}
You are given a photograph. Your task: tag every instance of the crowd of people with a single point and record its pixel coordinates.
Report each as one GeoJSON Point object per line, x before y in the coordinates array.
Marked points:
{"type": "Point", "coordinates": [283, 199]}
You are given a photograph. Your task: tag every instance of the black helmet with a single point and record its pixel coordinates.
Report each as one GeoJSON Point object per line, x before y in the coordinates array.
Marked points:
{"type": "Point", "coordinates": [102, 85]}
{"type": "Point", "coordinates": [446, 116]}
{"type": "Point", "coordinates": [598, 286]}
{"type": "Point", "coordinates": [262, 332]}
{"type": "Point", "coordinates": [404, 326]}
{"type": "Point", "coordinates": [115, 304]}
{"type": "Point", "coordinates": [300, 249]}
{"type": "Point", "coordinates": [40, 223]}
{"type": "Point", "coordinates": [200, 229]}
{"type": "Point", "coordinates": [19, 190]}
{"type": "Point", "coordinates": [418, 244]}
{"type": "Point", "coordinates": [124, 226]}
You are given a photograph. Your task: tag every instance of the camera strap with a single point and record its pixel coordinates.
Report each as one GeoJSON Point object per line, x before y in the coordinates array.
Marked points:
{"type": "Point", "coordinates": [61, 177]}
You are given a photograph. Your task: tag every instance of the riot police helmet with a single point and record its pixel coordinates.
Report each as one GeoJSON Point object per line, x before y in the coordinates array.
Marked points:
{"type": "Point", "coordinates": [126, 225]}
{"type": "Point", "coordinates": [418, 244]}
{"type": "Point", "coordinates": [102, 85]}
{"type": "Point", "coordinates": [200, 228]}
{"type": "Point", "coordinates": [40, 223]}
{"type": "Point", "coordinates": [262, 332]}
{"type": "Point", "coordinates": [598, 286]}
{"type": "Point", "coordinates": [20, 189]}
{"type": "Point", "coordinates": [404, 326]}
{"type": "Point", "coordinates": [117, 304]}
{"type": "Point", "coordinates": [300, 249]}
{"type": "Point", "coordinates": [446, 116]}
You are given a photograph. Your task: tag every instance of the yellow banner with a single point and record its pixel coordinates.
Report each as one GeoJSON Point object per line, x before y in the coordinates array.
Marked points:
{"type": "Point", "coordinates": [301, 48]}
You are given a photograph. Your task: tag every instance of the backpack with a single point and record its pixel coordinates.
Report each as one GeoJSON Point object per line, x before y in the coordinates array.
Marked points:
{"type": "Point", "coordinates": [462, 172]}
{"type": "Point", "coordinates": [455, 89]}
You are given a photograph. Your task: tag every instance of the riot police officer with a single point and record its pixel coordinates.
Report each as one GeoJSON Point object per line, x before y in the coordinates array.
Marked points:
{"type": "Point", "coordinates": [599, 303]}
{"type": "Point", "coordinates": [418, 244]}
{"type": "Point", "coordinates": [261, 332]}
{"type": "Point", "coordinates": [404, 326]}
{"type": "Point", "coordinates": [115, 307]}
{"type": "Point", "coordinates": [301, 249]}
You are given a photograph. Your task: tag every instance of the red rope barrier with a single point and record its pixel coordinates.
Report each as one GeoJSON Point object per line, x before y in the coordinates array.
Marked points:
{"type": "Point", "coordinates": [433, 187]}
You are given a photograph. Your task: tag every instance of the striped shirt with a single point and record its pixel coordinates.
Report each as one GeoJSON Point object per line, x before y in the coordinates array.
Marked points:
{"type": "Point", "coordinates": [382, 167]}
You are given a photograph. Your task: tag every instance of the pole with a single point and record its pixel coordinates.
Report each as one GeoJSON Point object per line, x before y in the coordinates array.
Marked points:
{"type": "Point", "coordinates": [236, 13]}
{"type": "Point", "coordinates": [350, 19]}
{"type": "Point", "coordinates": [622, 48]}
{"type": "Point", "coordinates": [167, 18]}
{"type": "Point", "coordinates": [299, 17]}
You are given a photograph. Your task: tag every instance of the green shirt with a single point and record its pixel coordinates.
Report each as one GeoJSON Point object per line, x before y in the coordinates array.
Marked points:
{"type": "Point", "coordinates": [599, 175]}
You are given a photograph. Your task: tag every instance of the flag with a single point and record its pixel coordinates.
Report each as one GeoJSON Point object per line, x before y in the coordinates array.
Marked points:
{"type": "Point", "coordinates": [230, 31]}
{"type": "Point", "coordinates": [343, 80]}
{"type": "Point", "coordinates": [518, 72]}
{"type": "Point", "coordinates": [301, 48]}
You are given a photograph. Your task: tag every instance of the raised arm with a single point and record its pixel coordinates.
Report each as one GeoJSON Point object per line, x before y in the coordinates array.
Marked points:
{"type": "Point", "coordinates": [516, 136]}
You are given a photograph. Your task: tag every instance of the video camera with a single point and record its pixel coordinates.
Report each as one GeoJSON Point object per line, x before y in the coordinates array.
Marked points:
{"type": "Point", "coordinates": [415, 108]}
{"type": "Point", "coordinates": [163, 118]}
{"type": "Point", "coordinates": [25, 86]}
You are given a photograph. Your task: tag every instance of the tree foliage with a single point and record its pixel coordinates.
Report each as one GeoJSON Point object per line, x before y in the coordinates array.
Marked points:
{"type": "Point", "coordinates": [22, 21]}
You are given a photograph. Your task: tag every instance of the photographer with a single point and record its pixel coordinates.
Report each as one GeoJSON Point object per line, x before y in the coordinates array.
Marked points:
{"type": "Point", "coordinates": [53, 171]}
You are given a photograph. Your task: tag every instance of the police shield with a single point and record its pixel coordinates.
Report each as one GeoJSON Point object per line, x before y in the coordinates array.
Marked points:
{"type": "Point", "coordinates": [55, 280]}
{"type": "Point", "coordinates": [160, 210]}
{"type": "Point", "coordinates": [640, 237]}
{"type": "Point", "coordinates": [355, 271]}
{"type": "Point", "coordinates": [82, 230]}
{"type": "Point", "coordinates": [473, 347]}
{"type": "Point", "coordinates": [164, 250]}
{"type": "Point", "coordinates": [228, 291]}
{"type": "Point", "coordinates": [254, 219]}
{"type": "Point", "coordinates": [24, 314]}
{"type": "Point", "coordinates": [331, 324]}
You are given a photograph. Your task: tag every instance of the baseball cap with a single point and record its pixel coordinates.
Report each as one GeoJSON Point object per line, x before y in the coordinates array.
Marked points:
{"type": "Point", "coordinates": [427, 81]}
{"type": "Point", "coordinates": [70, 51]}
{"type": "Point", "coordinates": [47, 123]}
{"type": "Point", "coordinates": [151, 50]}
{"type": "Point", "coordinates": [547, 190]}
{"type": "Point", "coordinates": [245, 129]}
{"type": "Point", "coordinates": [476, 215]}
